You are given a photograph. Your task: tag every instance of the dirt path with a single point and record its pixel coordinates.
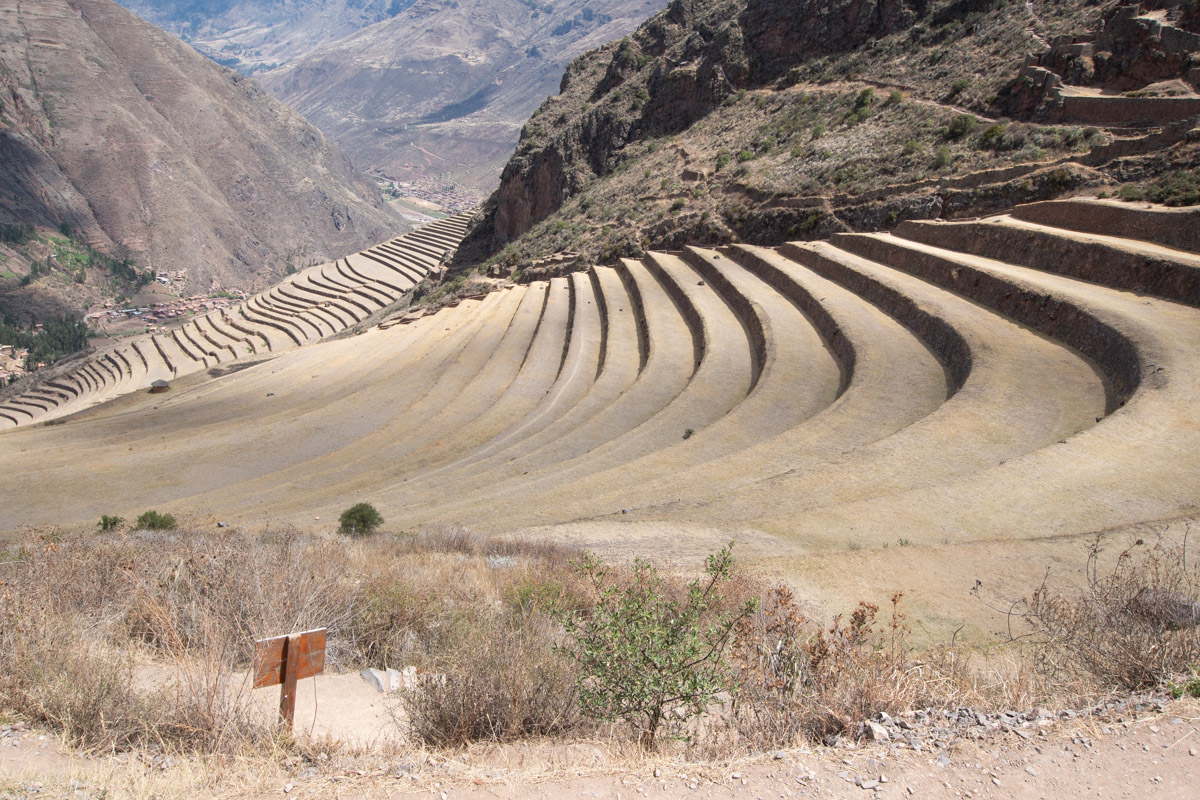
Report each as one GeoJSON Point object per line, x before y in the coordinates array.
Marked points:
{"type": "Point", "coordinates": [1152, 753]}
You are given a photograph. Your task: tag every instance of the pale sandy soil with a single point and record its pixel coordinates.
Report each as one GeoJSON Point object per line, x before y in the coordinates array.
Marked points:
{"type": "Point", "coordinates": [1148, 754]}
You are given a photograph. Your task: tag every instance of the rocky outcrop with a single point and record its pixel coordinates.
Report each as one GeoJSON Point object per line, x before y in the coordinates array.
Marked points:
{"type": "Point", "coordinates": [1139, 68]}
{"type": "Point", "coordinates": [780, 35]}
{"type": "Point", "coordinates": [679, 66]}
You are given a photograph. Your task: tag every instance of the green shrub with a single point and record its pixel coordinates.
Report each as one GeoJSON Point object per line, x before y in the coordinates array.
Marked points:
{"type": "Point", "coordinates": [960, 126]}
{"type": "Point", "coordinates": [744, 156]}
{"type": "Point", "coordinates": [154, 521]}
{"type": "Point", "coordinates": [723, 159]}
{"type": "Point", "coordinates": [1179, 188]}
{"type": "Point", "coordinates": [678, 204]}
{"type": "Point", "coordinates": [108, 523]}
{"type": "Point", "coordinates": [895, 98]}
{"type": "Point", "coordinates": [644, 653]}
{"type": "Point", "coordinates": [942, 159]}
{"type": "Point", "coordinates": [360, 519]}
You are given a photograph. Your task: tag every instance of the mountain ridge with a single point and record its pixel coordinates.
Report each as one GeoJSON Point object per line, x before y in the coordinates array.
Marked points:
{"type": "Point", "coordinates": [440, 90]}
{"type": "Point", "coordinates": [149, 151]}
{"type": "Point", "coordinates": [254, 35]}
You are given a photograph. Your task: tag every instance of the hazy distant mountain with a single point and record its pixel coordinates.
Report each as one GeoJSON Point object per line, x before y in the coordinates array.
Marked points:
{"type": "Point", "coordinates": [444, 87]}
{"type": "Point", "coordinates": [252, 35]}
{"type": "Point", "coordinates": [150, 150]}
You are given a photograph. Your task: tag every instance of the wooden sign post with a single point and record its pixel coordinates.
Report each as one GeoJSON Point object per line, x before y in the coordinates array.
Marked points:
{"type": "Point", "coordinates": [284, 660]}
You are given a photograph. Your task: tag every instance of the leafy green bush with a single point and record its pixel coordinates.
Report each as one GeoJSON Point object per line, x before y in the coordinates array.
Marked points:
{"type": "Point", "coordinates": [108, 523]}
{"type": "Point", "coordinates": [1179, 188]}
{"type": "Point", "coordinates": [644, 653]}
{"type": "Point", "coordinates": [960, 126]}
{"type": "Point", "coordinates": [154, 521]}
{"type": "Point", "coordinates": [942, 159]}
{"type": "Point", "coordinates": [360, 519]}
{"type": "Point", "coordinates": [723, 158]}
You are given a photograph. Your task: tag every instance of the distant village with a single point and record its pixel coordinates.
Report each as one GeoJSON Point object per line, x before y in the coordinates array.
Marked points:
{"type": "Point", "coordinates": [156, 315]}
{"type": "Point", "coordinates": [449, 198]}
{"type": "Point", "coordinates": [12, 362]}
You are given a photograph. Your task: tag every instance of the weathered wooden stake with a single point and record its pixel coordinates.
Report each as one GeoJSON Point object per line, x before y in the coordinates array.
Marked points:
{"type": "Point", "coordinates": [291, 672]}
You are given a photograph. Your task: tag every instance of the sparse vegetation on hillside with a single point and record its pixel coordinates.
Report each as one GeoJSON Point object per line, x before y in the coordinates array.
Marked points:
{"type": "Point", "coordinates": [1133, 627]}
{"type": "Point", "coordinates": [1176, 188]}
{"type": "Point", "coordinates": [694, 99]}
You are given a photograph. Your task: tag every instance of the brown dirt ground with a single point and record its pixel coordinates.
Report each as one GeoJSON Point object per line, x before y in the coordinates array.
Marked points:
{"type": "Point", "coordinates": [1148, 754]}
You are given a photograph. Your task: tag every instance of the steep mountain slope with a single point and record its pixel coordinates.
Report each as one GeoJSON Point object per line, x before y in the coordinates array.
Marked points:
{"type": "Point", "coordinates": [150, 151]}
{"type": "Point", "coordinates": [761, 120]}
{"type": "Point", "coordinates": [443, 88]}
{"type": "Point", "coordinates": [252, 35]}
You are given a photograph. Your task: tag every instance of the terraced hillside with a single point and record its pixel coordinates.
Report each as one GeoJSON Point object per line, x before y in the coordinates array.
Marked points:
{"type": "Point", "coordinates": [306, 307]}
{"type": "Point", "coordinates": [917, 409]}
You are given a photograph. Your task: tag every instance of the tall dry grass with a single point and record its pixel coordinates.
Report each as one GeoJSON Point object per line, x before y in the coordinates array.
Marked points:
{"type": "Point", "coordinates": [1132, 626]}
{"type": "Point", "coordinates": [82, 615]}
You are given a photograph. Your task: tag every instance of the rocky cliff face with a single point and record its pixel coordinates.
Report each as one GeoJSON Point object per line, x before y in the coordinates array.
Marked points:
{"type": "Point", "coordinates": [151, 151]}
{"type": "Point", "coordinates": [695, 54]}
{"type": "Point", "coordinates": [441, 90]}
{"type": "Point", "coordinates": [762, 121]}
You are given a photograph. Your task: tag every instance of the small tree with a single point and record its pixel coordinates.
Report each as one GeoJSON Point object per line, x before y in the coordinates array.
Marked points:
{"type": "Point", "coordinates": [643, 652]}
{"type": "Point", "coordinates": [360, 519]}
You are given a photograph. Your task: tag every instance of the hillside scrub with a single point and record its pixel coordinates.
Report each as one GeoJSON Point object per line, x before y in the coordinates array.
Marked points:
{"type": "Point", "coordinates": [726, 178]}
{"type": "Point", "coordinates": [705, 83]}
{"type": "Point", "coordinates": [483, 621]}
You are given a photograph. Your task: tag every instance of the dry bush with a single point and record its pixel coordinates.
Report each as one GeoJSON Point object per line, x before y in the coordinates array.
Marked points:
{"type": "Point", "coordinates": [56, 668]}
{"type": "Point", "coordinates": [800, 679]}
{"type": "Point", "coordinates": [505, 682]}
{"type": "Point", "coordinates": [1129, 628]}
{"type": "Point", "coordinates": [78, 615]}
